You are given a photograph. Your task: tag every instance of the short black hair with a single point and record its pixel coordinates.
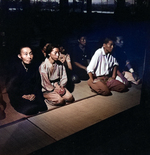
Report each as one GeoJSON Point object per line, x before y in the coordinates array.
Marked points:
{"type": "Point", "coordinates": [80, 36]}
{"type": "Point", "coordinates": [23, 42]}
{"type": "Point", "coordinates": [50, 47]}
{"type": "Point", "coordinates": [19, 52]}
{"type": "Point", "coordinates": [107, 40]}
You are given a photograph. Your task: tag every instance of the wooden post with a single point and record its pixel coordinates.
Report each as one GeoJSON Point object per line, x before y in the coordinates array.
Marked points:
{"type": "Point", "coordinates": [89, 6]}
{"type": "Point", "coordinates": [26, 5]}
{"type": "Point", "coordinates": [64, 6]}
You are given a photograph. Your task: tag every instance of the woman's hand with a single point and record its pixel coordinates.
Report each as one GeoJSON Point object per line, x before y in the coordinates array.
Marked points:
{"type": "Point", "coordinates": [59, 89]}
{"type": "Point", "coordinates": [62, 58]}
{"type": "Point", "coordinates": [68, 58]}
{"type": "Point", "coordinates": [30, 97]}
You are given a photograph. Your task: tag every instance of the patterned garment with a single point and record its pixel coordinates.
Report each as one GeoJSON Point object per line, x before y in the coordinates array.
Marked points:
{"type": "Point", "coordinates": [102, 64]}
{"type": "Point", "coordinates": [51, 73]}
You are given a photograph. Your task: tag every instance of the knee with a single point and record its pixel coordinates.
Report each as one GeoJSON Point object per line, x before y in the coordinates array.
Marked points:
{"type": "Point", "coordinates": [70, 98]}
{"type": "Point", "coordinates": [61, 101]}
{"type": "Point", "coordinates": [88, 82]}
{"type": "Point", "coordinates": [105, 92]}
{"type": "Point", "coordinates": [123, 88]}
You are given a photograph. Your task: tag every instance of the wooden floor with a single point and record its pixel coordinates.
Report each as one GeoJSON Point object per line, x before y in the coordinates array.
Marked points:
{"type": "Point", "coordinates": [35, 132]}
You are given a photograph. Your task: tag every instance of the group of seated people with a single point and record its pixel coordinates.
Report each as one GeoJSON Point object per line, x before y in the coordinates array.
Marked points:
{"type": "Point", "coordinates": [31, 87]}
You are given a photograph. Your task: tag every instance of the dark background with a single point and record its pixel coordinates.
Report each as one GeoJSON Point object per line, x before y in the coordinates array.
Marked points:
{"type": "Point", "coordinates": [124, 134]}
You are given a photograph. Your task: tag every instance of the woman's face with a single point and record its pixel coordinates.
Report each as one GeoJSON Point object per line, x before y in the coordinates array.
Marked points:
{"type": "Point", "coordinates": [26, 55]}
{"type": "Point", "coordinates": [62, 58]}
{"type": "Point", "coordinates": [62, 49]}
{"type": "Point", "coordinates": [54, 54]}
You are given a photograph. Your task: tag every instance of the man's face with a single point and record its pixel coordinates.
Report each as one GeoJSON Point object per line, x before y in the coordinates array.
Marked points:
{"type": "Point", "coordinates": [119, 41]}
{"type": "Point", "coordinates": [55, 54]}
{"type": "Point", "coordinates": [26, 55]}
{"type": "Point", "coordinates": [108, 47]}
{"type": "Point", "coordinates": [82, 41]}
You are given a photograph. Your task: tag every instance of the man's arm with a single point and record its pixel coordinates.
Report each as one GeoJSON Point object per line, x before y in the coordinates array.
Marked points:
{"type": "Point", "coordinates": [93, 63]}
{"type": "Point", "coordinates": [79, 65]}
{"type": "Point", "coordinates": [91, 76]}
{"type": "Point", "coordinates": [114, 74]}
{"type": "Point", "coordinates": [125, 81]}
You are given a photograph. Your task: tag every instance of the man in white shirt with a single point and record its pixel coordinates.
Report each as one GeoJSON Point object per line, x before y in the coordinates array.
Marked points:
{"type": "Point", "coordinates": [102, 71]}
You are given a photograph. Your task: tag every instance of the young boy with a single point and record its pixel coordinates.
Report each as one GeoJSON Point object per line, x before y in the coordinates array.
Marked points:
{"type": "Point", "coordinates": [24, 87]}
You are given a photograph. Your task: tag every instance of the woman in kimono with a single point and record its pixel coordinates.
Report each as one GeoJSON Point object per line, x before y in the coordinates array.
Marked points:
{"type": "Point", "coordinates": [24, 85]}
{"type": "Point", "coordinates": [54, 78]}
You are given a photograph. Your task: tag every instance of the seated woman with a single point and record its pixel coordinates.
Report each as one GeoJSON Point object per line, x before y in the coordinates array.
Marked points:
{"type": "Point", "coordinates": [66, 61]}
{"type": "Point", "coordinates": [24, 86]}
{"type": "Point", "coordinates": [54, 78]}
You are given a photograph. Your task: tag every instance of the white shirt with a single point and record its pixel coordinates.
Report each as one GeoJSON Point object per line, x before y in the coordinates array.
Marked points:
{"type": "Point", "coordinates": [101, 64]}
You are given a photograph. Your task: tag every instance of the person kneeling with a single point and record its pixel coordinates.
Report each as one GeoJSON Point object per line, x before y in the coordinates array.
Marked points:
{"type": "Point", "coordinates": [24, 85]}
{"type": "Point", "coordinates": [102, 71]}
{"type": "Point", "coordinates": [54, 78]}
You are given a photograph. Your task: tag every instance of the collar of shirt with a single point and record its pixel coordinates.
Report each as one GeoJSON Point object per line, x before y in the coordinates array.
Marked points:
{"type": "Point", "coordinates": [104, 54]}
{"type": "Point", "coordinates": [48, 62]}
{"type": "Point", "coordinates": [82, 47]}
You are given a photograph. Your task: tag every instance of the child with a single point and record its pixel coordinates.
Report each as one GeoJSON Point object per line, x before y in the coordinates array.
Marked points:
{"type": "Point", "coordinates": [54, 78]}
{"type": "Point", "coordinates": [24, 88]}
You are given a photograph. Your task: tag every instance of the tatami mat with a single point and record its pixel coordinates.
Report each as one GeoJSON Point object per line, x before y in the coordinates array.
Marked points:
{"type": "Point", "coordinates": [29, 135]}
{"type": "Point", "coordinates": [22, 138]}
{"type": "Point", "coordinates": [11, 114]}
{"type": "Point", "coordinates": [72, 118]}
{"type": "Point", "coordinates": [82, 91]}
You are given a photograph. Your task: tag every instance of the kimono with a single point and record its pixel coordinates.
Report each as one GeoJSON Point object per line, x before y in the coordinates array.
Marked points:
{"type": "Point", "coordinates": [52, 73]}
{"type": "Point", "coordinates": [24, 81]}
